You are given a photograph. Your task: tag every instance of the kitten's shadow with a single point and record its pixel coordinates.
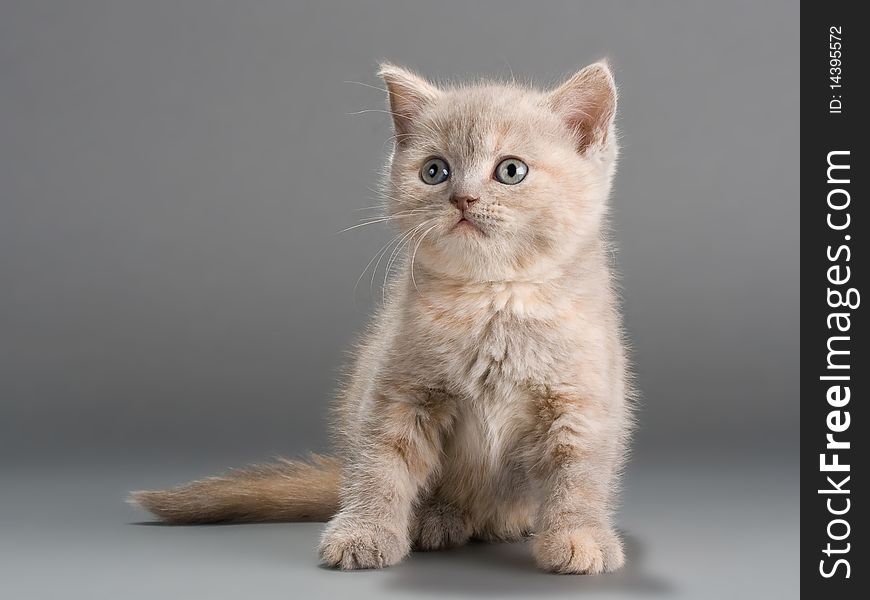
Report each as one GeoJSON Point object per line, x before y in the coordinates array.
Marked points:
{"type": "Point", "coordinates": [508, 569]}
{"type": "Point", "coordinates": [487, 569]}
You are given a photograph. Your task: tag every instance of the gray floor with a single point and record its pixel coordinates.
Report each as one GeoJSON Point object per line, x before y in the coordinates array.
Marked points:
{"type": "Point", "coordinates": [694, 529]}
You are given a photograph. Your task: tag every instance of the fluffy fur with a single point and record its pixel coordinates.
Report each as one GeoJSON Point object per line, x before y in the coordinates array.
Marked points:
{"type": "Point", "coordinates": [490, 397]}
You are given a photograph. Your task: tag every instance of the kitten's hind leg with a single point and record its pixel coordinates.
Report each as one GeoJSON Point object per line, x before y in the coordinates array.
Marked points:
{"type": "Point", "coordinates": [438, 524]}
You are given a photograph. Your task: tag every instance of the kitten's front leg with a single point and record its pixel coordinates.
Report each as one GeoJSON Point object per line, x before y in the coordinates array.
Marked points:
{"type": "Point", "coordinates": [400, 449]}
{"type": "Point", "coordinates": [580, 449]}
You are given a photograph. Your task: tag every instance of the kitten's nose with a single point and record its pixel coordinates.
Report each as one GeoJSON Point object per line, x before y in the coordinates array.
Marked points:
{"type": "Point", "coordinates": [463, 202]}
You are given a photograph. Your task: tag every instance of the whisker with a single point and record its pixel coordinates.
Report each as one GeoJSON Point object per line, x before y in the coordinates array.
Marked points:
{"type": "Point", "coordinates": [374, 87]}
{"type": "Point", "coordinates": [397, 250]}
{"type": "Point", "coordinates": [372, 222]}
{"type": "Point", "coordinates": [383, 195]}
{"type": "Point", "coordinates": [414, 254]}
{"type": "Point", "coordinates": [380, 89]}
{"type": "Point", "coordinates": [375, 110]}
{"type": "Point", "coordinates": [384, 219]}
{"type": "Point", "coordinates": [398, 245]}
{"type": "Point", "coordinates": [374, 256]}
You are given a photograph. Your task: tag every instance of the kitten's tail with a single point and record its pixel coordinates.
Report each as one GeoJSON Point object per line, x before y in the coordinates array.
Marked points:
{"type": "Point", "coordinates": [284, 491]}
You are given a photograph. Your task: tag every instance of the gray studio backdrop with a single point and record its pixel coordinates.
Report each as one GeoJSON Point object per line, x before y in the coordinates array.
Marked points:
{"type": "Point", "coordinates": [174, 175]}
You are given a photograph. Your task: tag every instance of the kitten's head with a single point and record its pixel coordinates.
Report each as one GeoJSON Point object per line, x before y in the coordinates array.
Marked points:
{"type": "Point", "coordinates": [497, 181]}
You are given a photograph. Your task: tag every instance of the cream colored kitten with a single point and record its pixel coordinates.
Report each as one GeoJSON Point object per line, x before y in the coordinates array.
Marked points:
{"type": "Point", "coordinates": [490, 397]}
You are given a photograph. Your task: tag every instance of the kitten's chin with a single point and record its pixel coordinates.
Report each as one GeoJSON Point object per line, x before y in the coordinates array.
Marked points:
{"type": "Point", "coordinates": [467, 255]}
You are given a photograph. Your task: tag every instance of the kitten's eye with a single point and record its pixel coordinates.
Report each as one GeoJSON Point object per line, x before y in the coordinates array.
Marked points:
{"type": "Point", "coordinates": [511, 171]}
{"type": "Point", "coordinates": [435, 171]}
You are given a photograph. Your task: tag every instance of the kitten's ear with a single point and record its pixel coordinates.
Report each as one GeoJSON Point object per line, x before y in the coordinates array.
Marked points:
{"type": "Point", "coordinates": [408, 95]}
{"type": "Point", "coordinates": [587, 104]}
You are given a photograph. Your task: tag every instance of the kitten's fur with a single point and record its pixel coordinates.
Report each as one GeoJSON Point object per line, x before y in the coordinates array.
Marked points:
{"type": "Point", "coordinates": [490, 397]}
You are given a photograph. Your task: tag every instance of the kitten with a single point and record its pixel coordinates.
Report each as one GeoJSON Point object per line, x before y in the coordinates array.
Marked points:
{"type": "Point", "coordinates": [490, 397]}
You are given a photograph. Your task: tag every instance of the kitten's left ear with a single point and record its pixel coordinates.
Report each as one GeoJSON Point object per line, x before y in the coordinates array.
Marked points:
{"type": "Point", "coordinates": [587, 104]}
{"type": "Point", "coordinates": [408, 95]}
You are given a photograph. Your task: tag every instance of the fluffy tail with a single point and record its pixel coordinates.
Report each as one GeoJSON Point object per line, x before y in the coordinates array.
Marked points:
{"type": "Point", "coordinates": [285, 491]}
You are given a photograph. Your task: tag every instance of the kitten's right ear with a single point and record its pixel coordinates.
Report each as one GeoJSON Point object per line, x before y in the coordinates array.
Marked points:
{"type": "Point", "coordinates": [587, 105]}
{"type": "Point", "coordinates": [408, 95]}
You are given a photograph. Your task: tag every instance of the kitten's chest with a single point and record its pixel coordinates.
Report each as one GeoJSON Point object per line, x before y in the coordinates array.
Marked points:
{"type": "Point", "coordinates": [502, 353]}
{"type": "Point", "coordinates": [492, 344]}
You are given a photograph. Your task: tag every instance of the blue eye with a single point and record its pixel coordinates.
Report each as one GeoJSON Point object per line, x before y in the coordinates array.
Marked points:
{"type": "Point", "coordinates": [511, 171]}
{"type": "Point", "coordinates": [435, 171]}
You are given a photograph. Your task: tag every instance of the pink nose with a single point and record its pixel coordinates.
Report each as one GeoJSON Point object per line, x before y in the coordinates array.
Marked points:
{"type": "Point", "coordinates": [463, 202]}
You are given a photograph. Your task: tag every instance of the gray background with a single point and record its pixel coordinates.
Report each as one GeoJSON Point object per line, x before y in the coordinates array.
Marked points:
{"type": "Point", "coordinates": [175, 296]}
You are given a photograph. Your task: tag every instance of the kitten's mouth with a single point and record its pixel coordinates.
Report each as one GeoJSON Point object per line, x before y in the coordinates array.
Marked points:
{"type": "Point", "coordinates": [465, 224]}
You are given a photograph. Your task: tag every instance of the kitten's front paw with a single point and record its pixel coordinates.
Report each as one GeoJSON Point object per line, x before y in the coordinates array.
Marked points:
{"type": "Point", "coordinates": [587, 549]}
{"type": "Point", "coordinates": [350, 543]}
{"type": "Point", "coordinates": [436, 526]}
